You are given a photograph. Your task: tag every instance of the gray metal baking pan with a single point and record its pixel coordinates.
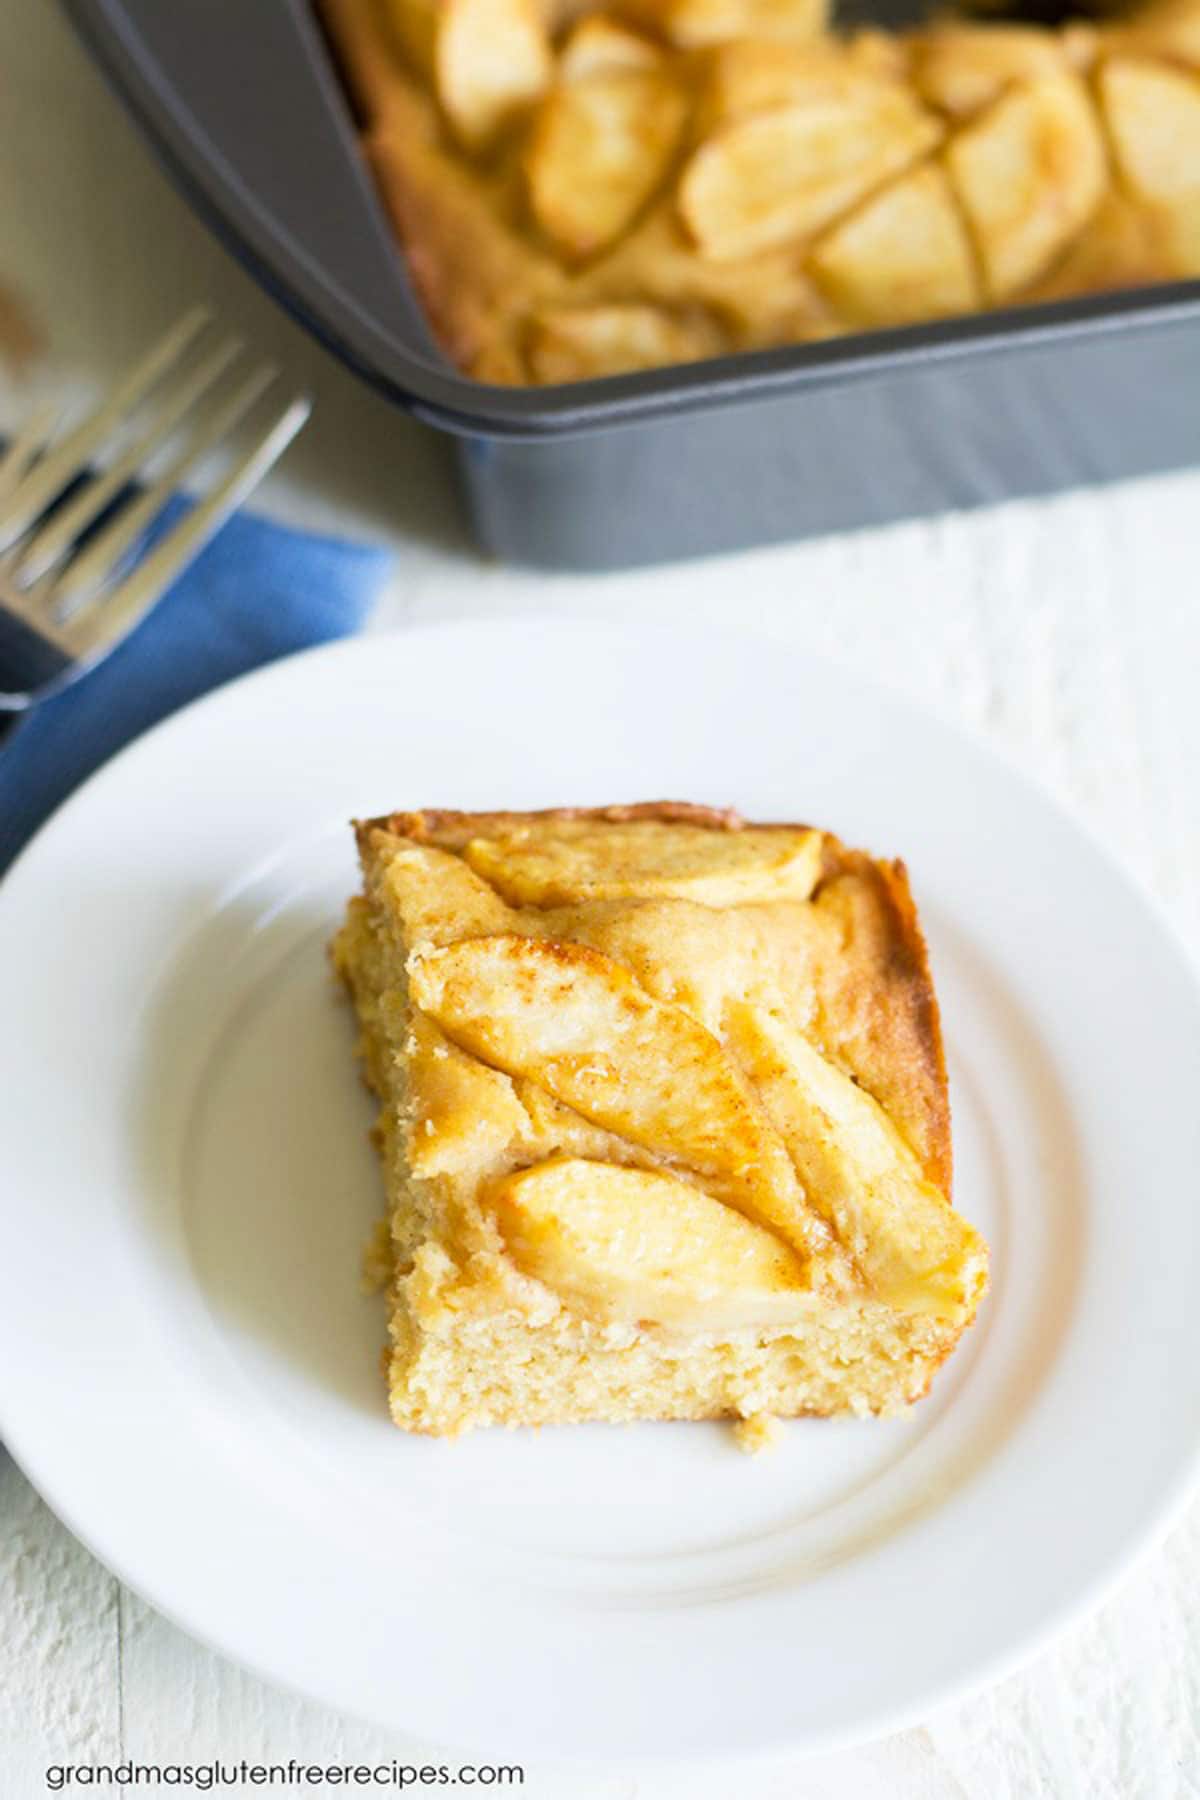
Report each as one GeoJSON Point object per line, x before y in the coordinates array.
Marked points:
{"type": "Point", "coordinates": [245, 106]}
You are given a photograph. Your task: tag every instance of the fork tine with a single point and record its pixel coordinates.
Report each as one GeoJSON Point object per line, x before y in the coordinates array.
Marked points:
{"type": "Point", "coordinates": [26, 445]}
{"type": "Point", "coordinates": [90, 633]}
{"type": "Point", "coordinates": [82, 579]}
{"type": "Point", "coordinates": [57, 536]}
{"type": "Point", "coordinates": [29, 499]}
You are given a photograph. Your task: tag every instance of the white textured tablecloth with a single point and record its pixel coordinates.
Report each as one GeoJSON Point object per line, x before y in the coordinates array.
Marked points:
{"type": "Point", "coordinates": [1068, 632]}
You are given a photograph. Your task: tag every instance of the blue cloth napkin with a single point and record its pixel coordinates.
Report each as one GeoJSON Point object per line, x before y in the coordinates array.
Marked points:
{"type": "Point", "coordinates": [257, 592]}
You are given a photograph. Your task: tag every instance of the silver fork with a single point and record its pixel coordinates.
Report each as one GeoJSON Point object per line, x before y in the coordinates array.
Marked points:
{"type": "Point", "coordinates": [70, 589]}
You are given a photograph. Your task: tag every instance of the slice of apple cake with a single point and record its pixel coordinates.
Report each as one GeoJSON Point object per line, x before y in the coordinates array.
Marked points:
{"type": "Point", "coordinates": [663, 1119]}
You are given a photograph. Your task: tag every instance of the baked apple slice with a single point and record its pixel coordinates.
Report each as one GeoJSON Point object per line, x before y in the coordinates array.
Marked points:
{"type": "Point", "coordinates": [778, 176]}
{"type": "Point", "coordinates": [573, 861]}
{"type": "Point", "coordinates": [1153, 115]}
{"type": "Point", "coordinates": [913, 1249]}
{"type": "Point", "coordinates": [960, 69]}
{"type": "Point", "coordinates": [600, 146]}
{"type": "Point", "coordinates": [577, 1023]}
{"type": "Point", "coordinates": [488, 59]}
{"type": "Point", "coordinates": [754, 75]}
{"type": "Point", "coordinates": [636, 1247]}
{"type": "Point", "coordinates": [1029, 173]}
{"type": "Point", "coordinates": [902, 256]}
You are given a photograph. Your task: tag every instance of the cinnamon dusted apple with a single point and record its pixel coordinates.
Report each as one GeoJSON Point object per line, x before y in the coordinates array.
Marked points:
{"type": "Point", "coordinates": [663, 1118]}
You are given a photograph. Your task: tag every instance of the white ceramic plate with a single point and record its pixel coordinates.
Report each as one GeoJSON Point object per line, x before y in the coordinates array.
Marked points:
{"type": "Point", "coordinates": [188, 1370]}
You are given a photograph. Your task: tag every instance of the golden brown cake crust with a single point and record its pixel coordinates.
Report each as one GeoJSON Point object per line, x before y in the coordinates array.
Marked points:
{"type": "Point", "coordinates": [899, 1053]}
{"type": "Point", "coordinates": [450, 830]}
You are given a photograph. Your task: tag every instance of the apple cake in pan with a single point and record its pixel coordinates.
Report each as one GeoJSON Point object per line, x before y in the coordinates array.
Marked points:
{"type": "Point", "coordinates": [663, 1119]}
{"type": "Point", "coordinates": [584, 192]}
